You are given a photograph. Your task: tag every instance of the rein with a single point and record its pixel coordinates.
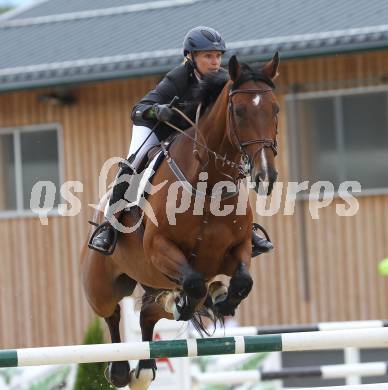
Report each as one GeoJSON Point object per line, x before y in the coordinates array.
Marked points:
{"type": "Point", "coordinates": [243, 168]}
{"type": "Point", "coordinates": [216, 155]}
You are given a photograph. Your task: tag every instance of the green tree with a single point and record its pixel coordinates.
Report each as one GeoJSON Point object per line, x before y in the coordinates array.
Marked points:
{"type": "Point", "coordinates": [4, 9]}
{"type": "Point", "coordinates": [90, 376]}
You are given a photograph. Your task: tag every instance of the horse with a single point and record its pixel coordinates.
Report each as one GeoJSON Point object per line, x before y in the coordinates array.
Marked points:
{"type": "Point", "coordinates": [177, 262]}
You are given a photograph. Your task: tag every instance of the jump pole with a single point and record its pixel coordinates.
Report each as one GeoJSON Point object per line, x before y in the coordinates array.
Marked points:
{"type": "Point", "coordinates": [374, 386]}
{"type": "Point", "coordinates": [333, 371]}
{"type": "Point", "coordinates": [312, 327]}
{"type": "Point", "coordinates": [357, 338]}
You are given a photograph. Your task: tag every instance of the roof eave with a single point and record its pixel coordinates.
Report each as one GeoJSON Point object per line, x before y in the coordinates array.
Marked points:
{"type": "Point", "coordinates": [244, 54]}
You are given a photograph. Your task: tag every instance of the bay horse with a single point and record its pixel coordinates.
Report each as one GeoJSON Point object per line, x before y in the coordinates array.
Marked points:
{"type": "Point", "coordinates": [176, 264]}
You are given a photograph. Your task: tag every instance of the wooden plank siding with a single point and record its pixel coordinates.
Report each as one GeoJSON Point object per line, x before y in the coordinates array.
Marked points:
{"type": "Point", "coordinates": [41, 302]}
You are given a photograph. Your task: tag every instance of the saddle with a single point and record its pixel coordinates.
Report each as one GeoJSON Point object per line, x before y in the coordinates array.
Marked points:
{"type": "Point", "coordinates": [149, 156]}
{"type": "Point", "coordinates": [153, 152]}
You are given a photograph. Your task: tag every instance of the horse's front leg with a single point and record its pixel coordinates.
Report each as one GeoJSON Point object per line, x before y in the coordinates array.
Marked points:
{"type": "Point", "coordinates": [172, 262]}
{"type": "Point", "coordinates": [117, 372]}
{"type": "Point", "coordinates": [151, 312]}
{"type": "Point", "coordinates": [240, 284]}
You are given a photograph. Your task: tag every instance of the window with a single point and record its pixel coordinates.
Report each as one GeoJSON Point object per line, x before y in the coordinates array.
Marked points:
{"type": "Point", "coordinates": [27, 155]}
{"type": "Point", "coordinates": [341, 136]}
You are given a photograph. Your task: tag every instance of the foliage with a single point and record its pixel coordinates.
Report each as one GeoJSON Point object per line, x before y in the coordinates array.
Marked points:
{"type": "Point", "coordinates": [254, 362]}
{"type": "Point", "coordinates": [8, 373]}
{"type": "Point", "coordinates": [90, 376]}
{"type": "Point", "coordinates": [4, 9]}
{"type": "Point", "coordinates": [56, 380]}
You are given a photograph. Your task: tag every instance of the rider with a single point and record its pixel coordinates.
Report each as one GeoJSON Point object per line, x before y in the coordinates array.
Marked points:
{"type": "Point", "coordinates": [203, 48]}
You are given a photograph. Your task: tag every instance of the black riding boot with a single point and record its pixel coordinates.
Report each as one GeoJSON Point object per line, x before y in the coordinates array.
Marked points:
{"type": "Point", "coordinates": [259, 244]}
{"type": "Point", "coordinates": [104, 239]}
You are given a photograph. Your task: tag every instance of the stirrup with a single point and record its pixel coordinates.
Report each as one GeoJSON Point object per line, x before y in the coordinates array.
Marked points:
{"type": "Point", "coordinates": [258, 250]}
{"type": "Point", "coordinates": [256, 227]}
{"type": "Point", "coordinates": [98, 229]}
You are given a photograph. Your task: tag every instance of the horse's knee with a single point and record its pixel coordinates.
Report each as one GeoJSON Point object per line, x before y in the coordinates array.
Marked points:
{"type": "Point", "coordinates": [241, 282]}
{"type": "Point", "coordinates": [194, 285]}
{"type": "Point", "coordinates": [241, 285]}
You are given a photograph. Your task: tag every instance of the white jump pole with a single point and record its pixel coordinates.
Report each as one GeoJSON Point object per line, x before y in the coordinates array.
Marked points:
{"type": "Point", "coordinates": [334, 371]}
{"type": "Point", "coordinates": [310, 341]}
{"type": "Point", "coordinates": [313, 327]}
{"type": "Point", "coordinates": [375, 386]}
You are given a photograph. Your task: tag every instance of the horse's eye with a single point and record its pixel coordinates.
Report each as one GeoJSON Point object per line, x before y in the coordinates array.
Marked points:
{"type": "Point", "coordinates": [240, 111]}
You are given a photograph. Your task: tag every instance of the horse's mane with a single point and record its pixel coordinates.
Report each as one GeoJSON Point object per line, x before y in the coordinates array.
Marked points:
{"type": "Point", "coordinates": [211, 85]}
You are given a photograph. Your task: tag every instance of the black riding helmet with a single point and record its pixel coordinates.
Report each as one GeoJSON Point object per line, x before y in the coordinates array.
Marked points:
{"type": "Point", "coordinates": [203, 38]}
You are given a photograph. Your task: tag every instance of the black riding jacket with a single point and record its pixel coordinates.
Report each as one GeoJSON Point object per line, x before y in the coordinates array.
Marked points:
{"type": "Point", "coordinates": [180, 81]}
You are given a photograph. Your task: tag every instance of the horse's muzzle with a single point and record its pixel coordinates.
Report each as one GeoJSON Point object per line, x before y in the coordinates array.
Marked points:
{"type": "Point", "coordinates": [264, 181]}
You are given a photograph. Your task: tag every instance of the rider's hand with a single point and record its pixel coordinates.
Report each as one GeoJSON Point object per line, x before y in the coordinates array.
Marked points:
{"type": "Point", "coordinates": [163, 112]}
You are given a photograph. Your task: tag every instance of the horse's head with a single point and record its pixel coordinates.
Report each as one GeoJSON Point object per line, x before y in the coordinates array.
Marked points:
{"type": "Point", "coordinates": [253, 118]}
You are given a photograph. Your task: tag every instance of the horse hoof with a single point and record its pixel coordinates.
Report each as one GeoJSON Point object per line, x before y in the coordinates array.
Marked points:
{"type": "Point", "coordinates": [182, 310]}
{"type": "Point", "coordinates": [167, 300]}
{"type": "Point", "coordinates": [117, 373]}
{"type": "Point", "coordinates": [218, 292]}
{"type": "Point", "coordinates": [141, 379]}
{"type": "Point", "coordinates": [225, 308]}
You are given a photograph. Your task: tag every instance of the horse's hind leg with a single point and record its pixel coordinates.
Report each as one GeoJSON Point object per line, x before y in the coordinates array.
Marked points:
{"type": "Point", "coordinates": [117, 372]}
{"type": "Point", "coordinates": [239, 287]}
{"type": "Point", "coordinates": [151, 312]}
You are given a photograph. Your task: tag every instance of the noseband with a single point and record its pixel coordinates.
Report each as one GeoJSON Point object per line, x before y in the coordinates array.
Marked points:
{"type": "Point", "coordinates": [265, 142]}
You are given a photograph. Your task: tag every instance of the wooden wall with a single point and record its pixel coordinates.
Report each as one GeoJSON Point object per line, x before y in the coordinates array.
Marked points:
{"type": "Point", "coordinates": [41, 302]}
{"type": "Point", "coordinates": [326, 269]}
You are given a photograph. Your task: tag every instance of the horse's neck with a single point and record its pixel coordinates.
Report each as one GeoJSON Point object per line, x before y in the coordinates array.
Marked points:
{"type": "Point", "coordinates": [213, 127]}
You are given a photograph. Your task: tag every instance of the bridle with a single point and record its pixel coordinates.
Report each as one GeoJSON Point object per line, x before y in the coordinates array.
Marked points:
{"type": "Point", "coordinates": [241, 145]}
{"type": "Point", "coordinates": [243, 168]}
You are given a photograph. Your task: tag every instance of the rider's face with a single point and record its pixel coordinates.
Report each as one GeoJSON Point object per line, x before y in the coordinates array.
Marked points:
{"type": "Point", "coordinates": [208, 61]}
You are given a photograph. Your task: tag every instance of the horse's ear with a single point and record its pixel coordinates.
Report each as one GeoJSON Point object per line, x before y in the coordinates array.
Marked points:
{"type": "Point", "coordinates": [234, 68]}
{"type": "Point", "coordinates": [270, 69]}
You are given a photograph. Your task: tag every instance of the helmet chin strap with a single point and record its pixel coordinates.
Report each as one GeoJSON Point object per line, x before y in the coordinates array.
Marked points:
{"type": "Point", "coordinates": [194, 64]}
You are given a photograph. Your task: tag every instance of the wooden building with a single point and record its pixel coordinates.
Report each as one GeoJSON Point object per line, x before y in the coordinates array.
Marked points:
{"type": "Point", "coordinates": [333, 95]}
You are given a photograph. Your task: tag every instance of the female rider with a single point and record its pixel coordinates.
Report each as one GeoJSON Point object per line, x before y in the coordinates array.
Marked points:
{"type": "Point", "coordinates": [203, 48]}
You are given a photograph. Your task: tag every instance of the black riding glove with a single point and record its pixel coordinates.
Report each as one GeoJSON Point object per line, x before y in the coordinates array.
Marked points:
{"type": "Point", "coordinates": [162, 112]}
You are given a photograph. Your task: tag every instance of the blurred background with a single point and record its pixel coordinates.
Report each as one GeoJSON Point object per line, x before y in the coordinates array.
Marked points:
{"type": "Point", "coordinates": [9, 4]}
{"type": "Point", "coordinates": [70, 71]}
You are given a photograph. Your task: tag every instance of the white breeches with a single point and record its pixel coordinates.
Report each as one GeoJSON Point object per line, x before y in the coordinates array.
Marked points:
{"type": "Point", "coordinates": [139, 134]}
